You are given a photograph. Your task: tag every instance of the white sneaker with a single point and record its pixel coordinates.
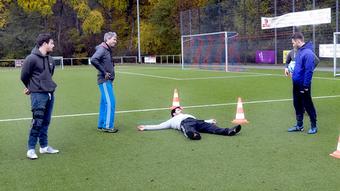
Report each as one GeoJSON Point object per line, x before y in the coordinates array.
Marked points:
{"type": "Point", "coordinates": [31, 154]}
{"type": "Point", "coordinates": [48, 150]}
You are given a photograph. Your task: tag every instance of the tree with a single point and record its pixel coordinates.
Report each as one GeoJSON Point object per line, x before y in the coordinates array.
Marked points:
{"type": "Point", "coordinates": [4, 12]}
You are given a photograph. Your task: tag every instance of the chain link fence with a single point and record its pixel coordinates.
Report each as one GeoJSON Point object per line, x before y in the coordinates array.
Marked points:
{"type": "Point", "coordinates": [244, 17]}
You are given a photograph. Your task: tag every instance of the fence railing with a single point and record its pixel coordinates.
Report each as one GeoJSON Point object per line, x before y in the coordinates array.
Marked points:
{"type": "Point", "coordinates": [160, 59]}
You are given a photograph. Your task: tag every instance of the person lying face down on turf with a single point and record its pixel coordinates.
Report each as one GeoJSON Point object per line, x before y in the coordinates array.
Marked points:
{"type": "Point", "coordinates": [190, 126]}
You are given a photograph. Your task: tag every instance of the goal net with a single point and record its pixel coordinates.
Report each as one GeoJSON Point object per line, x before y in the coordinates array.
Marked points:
{"type": "Point", "coordinates": [212, 51]}
{"type": "Point", "coordinates": [336, 53]}
{"type": "Point", "coordinates": [58, 61]}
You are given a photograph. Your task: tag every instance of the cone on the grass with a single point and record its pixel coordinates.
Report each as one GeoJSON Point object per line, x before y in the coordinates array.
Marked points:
{"type": "Point", "coordinates": [336, 153]}
{"type": "Point", "coordinates": [239, 119]}
{"type": "Point", "coordinates": [175, 100]}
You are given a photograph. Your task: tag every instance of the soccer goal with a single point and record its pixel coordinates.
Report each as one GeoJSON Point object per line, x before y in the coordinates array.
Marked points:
{"type": "Point", "coordinates": [59, 61]}
{"type": "Point", "coordinates": [336, 53]}
{"type": "Point", "coordinates": [212, 51]}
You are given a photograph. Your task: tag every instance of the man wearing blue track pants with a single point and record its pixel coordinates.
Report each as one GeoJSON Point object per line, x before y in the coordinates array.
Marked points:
{"type": "Point", "coordinates": [302, 81]}
{"type": "Point", "coordinates": [103, 62]}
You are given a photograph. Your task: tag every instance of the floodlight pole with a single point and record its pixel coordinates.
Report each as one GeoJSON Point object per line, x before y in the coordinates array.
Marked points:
{"type": "Point", "coordinates": [275, 30]}
{"type": "Point", "coordinates": [336, 17]}
{"type": "Point", "coordinates": [293, 5]}
{"type": "Point", "coordinates": [314, 28]}
{"type": "Point", "coordinates": [139, 57]}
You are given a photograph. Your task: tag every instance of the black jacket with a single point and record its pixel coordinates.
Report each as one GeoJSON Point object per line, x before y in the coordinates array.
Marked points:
{"type": "Point", "coordinates": [37, 72]}
{"type": "Point", "coordinates": [102, 60]}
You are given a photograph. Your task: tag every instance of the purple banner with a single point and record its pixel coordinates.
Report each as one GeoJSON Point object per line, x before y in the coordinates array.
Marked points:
{"type": "Point", "coordinates": [265, 56]}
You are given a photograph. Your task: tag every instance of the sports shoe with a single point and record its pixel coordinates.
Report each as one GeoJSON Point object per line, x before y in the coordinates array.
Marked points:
{"type": "Point", "coordinates": [235, 130]}
{"type": "Point", "coordinates": [295, 128]}
{"type": "Point", "coordinates": [110, 130]}
{"type": "Point", "coordinates": [48, 150]}
{"type": "Point", "coordinates": [313, 130]}
{"type": "Point", "coordinates": [31, 154]}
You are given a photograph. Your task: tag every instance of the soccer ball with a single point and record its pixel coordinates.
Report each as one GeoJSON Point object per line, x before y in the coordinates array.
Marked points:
{"type": "Point", "coordinates": [291, 66]}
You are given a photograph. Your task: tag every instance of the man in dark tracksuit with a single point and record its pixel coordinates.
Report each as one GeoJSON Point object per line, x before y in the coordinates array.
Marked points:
{"type": "Point", "coordinates": [36, 75]}
{"type": "Point", "coordinates": [102, 61]}
{"type": "Point", "coordinates": [302, 79]}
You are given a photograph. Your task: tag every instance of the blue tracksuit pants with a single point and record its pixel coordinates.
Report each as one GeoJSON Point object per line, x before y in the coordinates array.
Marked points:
{"type": "Point", "coordinates": [107, 106]}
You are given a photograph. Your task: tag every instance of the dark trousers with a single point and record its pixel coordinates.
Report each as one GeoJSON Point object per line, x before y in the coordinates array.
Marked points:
{"type": "Point", "coordinates": [303, 102]}
{"type": "Point", "coordinates": [42, 106]}
{"type": "Point", "coordinates": [200, 126]}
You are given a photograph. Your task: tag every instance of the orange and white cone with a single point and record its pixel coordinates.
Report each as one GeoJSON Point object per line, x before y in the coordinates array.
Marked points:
{"type": "Point", "coordinates": [239, 119]}
{"type": "Point", "coordinates": [336, 153]}
{"type": "Point", "coordinates": [175, 100]}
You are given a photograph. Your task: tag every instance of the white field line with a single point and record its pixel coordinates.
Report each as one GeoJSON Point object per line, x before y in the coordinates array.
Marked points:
{"type": "Point", "coordinates": [148, 75]}
{"type": "Point", "coordinates": [166, 108]}
{"type": "Point", "coordinates": [252, 74]}
{"type": "Point", "coordinates": [226, 77]}
{"type": "Point", "coordinates": [203, 78]}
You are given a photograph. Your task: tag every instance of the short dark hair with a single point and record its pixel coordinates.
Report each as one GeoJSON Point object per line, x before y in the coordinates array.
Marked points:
{"type": "Point", "coordinates": [44, 37]}
{"type": "Point", "coordinates": [298, 35]}
{"type": "Point", "coordinates": [172, 112]}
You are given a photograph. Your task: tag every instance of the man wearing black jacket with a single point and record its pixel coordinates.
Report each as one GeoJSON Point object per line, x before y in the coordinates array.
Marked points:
{"type": "Point", "coordinates": [36, 75]}
{"type": "Point", "coordinates": [102, 61]}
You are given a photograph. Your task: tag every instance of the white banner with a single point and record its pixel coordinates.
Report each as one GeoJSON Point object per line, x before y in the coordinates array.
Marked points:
{"type": "Point", "coordinates": [327, 50]}
{"type": "Point", "coordinates": [314, 17]}
{"type": "Point", "coordinates": [150, 59]}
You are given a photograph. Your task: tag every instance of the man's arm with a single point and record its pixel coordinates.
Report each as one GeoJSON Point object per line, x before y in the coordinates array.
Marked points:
{"type": "Point", "coordinates": [26, 72]}
{"type": "Point", "coordinates": [164, 125]}
{"type": "Point", "coordinates": [96, 58]}
{"type": "Point", "coordinates": [309, 68]}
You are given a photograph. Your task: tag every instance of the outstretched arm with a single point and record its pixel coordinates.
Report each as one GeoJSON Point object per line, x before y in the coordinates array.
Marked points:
{"type": "Point", "coordinates": [164, 125]}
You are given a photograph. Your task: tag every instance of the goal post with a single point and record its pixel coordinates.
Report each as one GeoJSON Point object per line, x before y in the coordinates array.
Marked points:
{"type": "Point", "coordinates": [207, 51]}
{"type": "Point", "coordinates": [58, 61]}
{"type": "Point", "coordinates": [336, 54]}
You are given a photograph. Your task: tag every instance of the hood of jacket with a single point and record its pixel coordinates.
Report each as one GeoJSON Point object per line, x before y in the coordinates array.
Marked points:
{"type": "Point", "coordinates": [37, 52]}
{"type": "Point", "coordinates": [307, 45]}
{"type": "Point", "coordinates": [103, 45]}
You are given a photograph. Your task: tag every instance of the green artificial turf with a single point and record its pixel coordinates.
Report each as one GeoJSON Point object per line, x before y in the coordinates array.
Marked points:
{"type": "Point", "coordinates": [264, 156]}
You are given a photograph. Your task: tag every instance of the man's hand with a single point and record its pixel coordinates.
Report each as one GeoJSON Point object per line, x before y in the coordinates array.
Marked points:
{"type": "Point", "coordinates": [304, 90]}
{"type": "Point", "coordinates": [140, 127]}
{"type": "Point", "coordinates": [287, 73]}
{"type": "Point", "coordinates": [213, 121]}
{"type": "Point", "coordinates": [107, 76]}
{"type": "Point", "coordinates": [27, 91]}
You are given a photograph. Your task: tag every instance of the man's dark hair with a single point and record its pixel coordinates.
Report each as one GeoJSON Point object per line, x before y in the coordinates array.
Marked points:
{"type": "Point", "coordinates": [172, 112]}
{"type": "Point", "coordinates": [44, 37]}
{"type": "Point", "coordinates": [298, 35]}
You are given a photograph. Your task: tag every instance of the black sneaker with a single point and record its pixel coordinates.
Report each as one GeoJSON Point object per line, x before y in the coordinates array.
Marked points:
{"type": "Point", "coordinates": [295, 129]}
{"type": "Point", "coordinates": [112, 130]}
{"type": "Point", "coordinates": [235, 130]}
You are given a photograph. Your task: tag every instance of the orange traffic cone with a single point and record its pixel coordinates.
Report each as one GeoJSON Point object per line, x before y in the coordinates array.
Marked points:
{"type": "Point", "coordinates": [175, 100]}
{"type": "Point", "coordinates": [336, 153]}
{"type": "Point", "coordinates": [239, 119]}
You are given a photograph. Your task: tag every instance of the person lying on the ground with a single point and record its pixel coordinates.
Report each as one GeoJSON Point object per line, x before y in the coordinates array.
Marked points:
{"type": "Point", "coordinates": [190, 126]}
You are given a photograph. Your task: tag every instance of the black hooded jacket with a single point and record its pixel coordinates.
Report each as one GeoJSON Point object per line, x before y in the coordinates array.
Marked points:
{"type": "Point", "coordinates": [37, 71]}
